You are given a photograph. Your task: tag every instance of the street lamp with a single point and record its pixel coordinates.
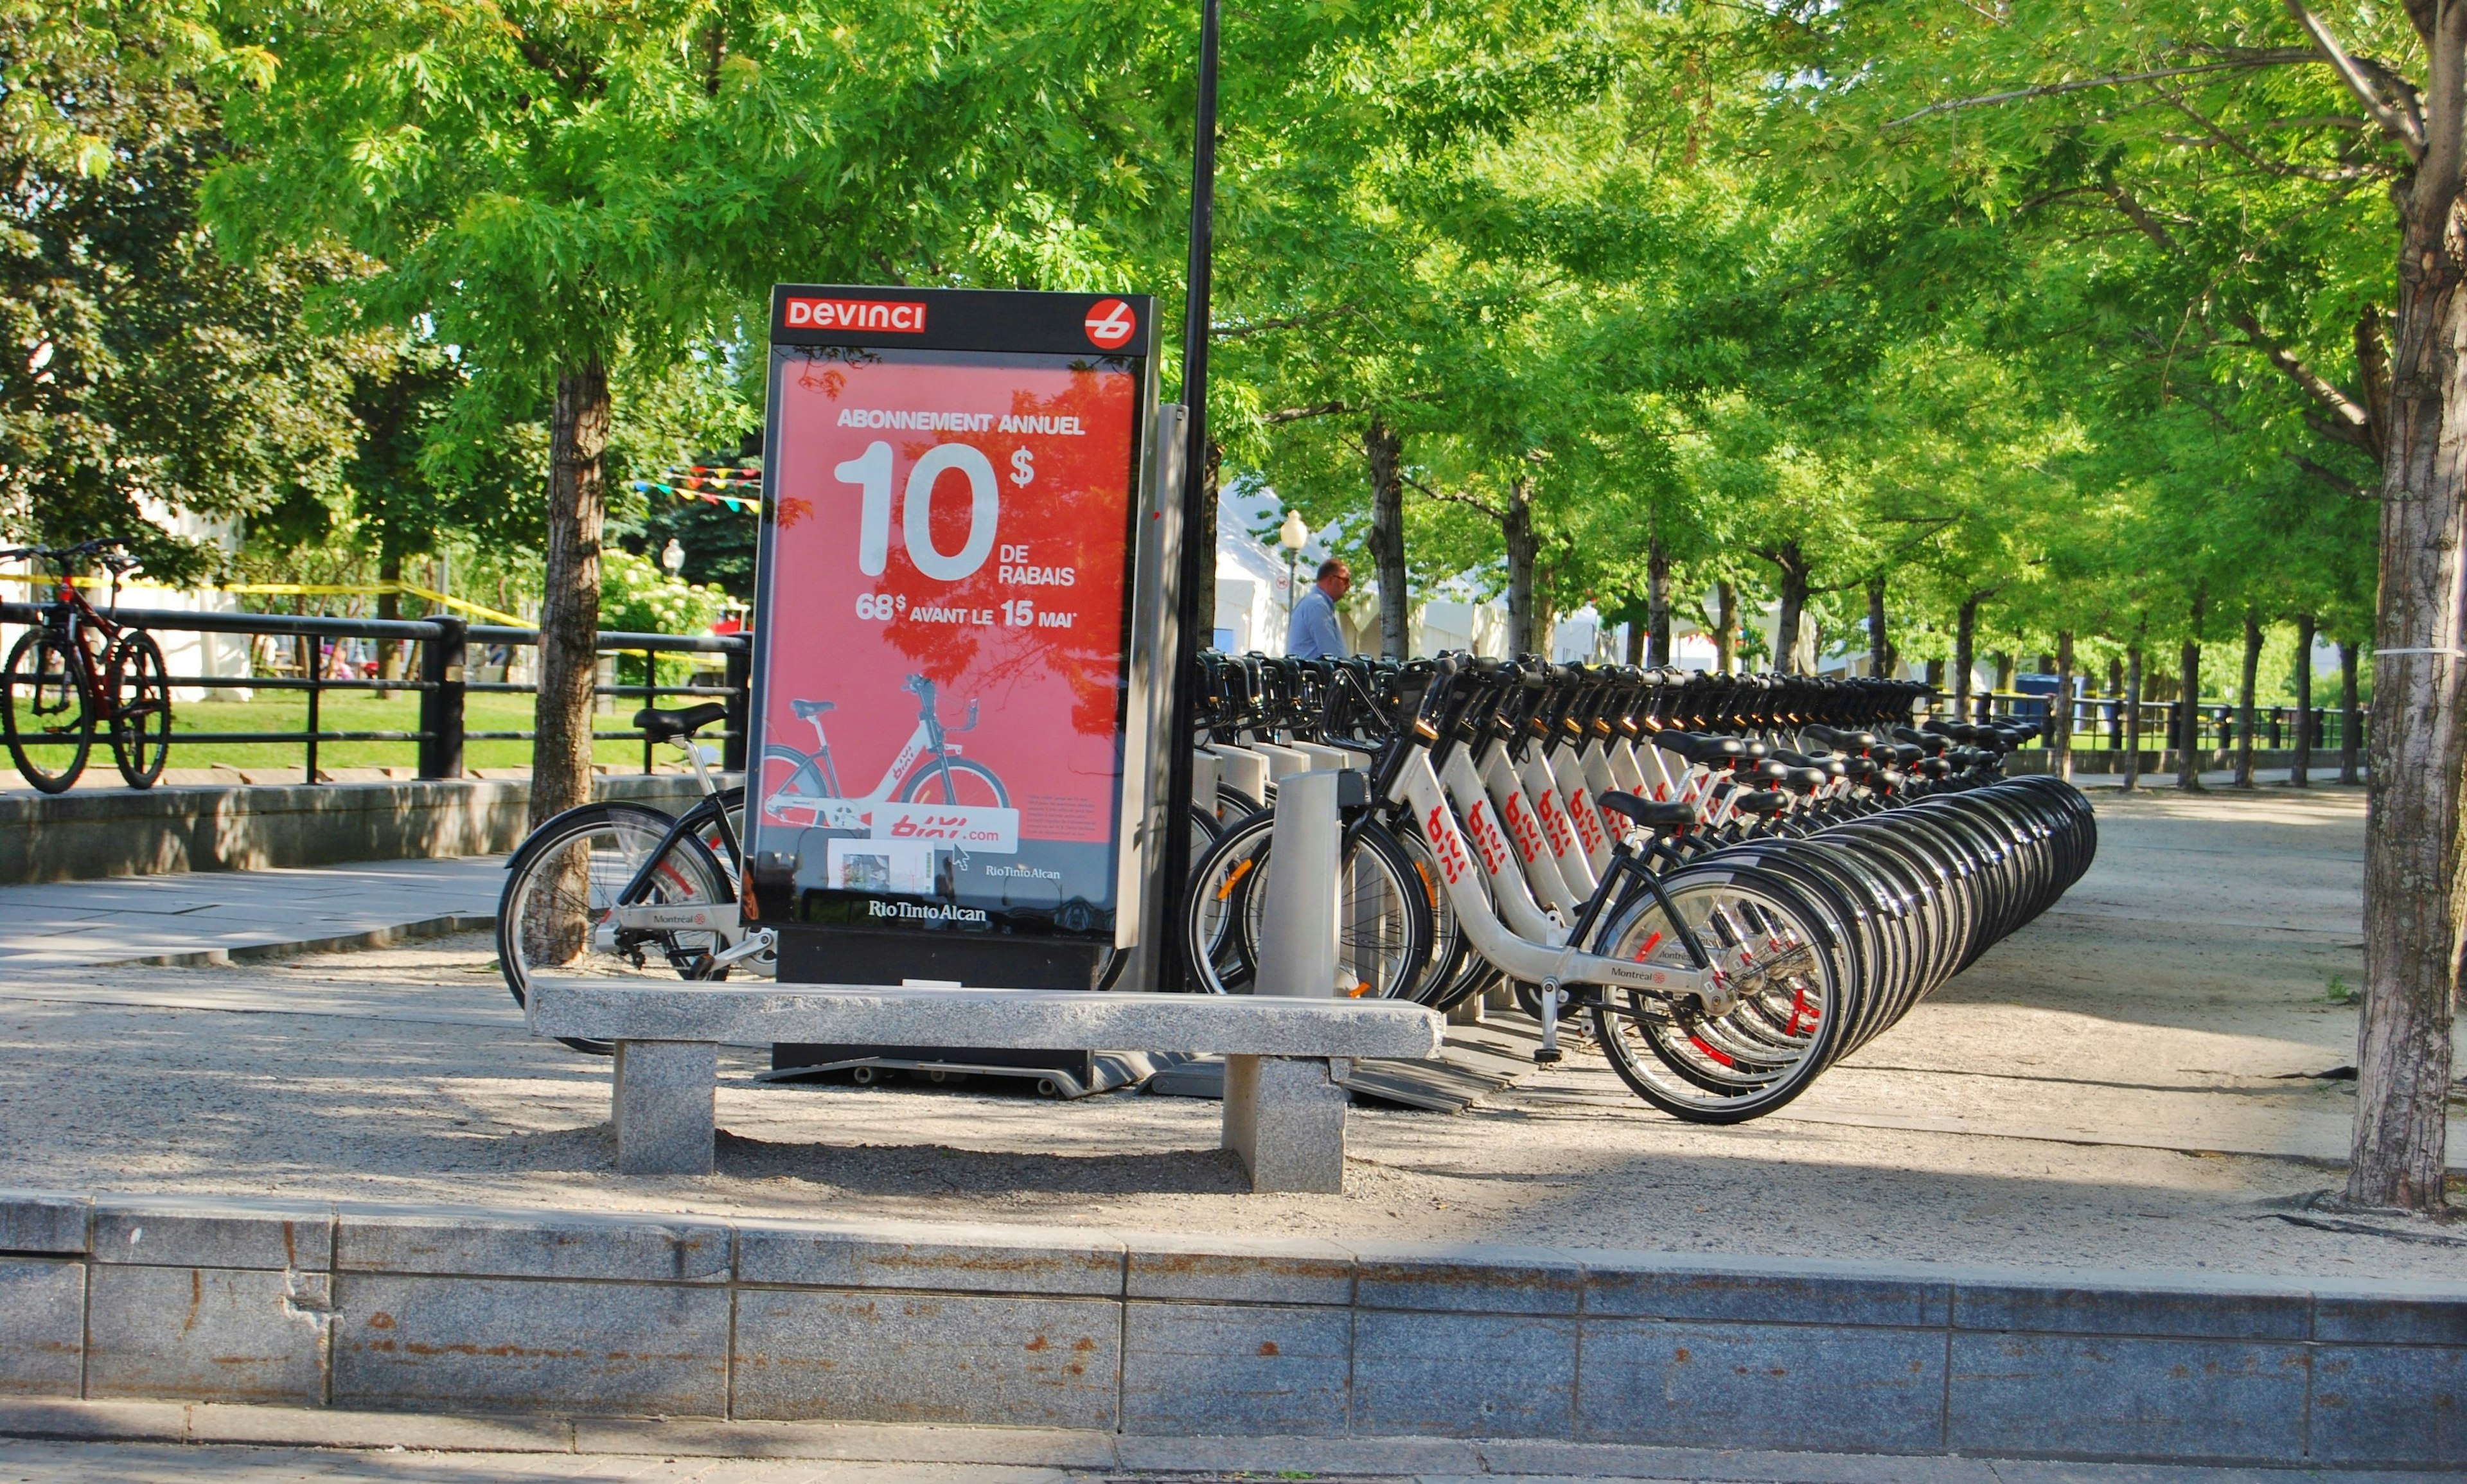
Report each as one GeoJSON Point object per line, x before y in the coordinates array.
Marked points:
{"type": "Point", "coordinates": [1293, 536]}
{"type": "Point", "coordinates": [673, 556]}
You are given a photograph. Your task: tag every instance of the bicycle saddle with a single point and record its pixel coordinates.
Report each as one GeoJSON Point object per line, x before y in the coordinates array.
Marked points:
{"type": "Point", "coordinates": [1677, 814]}
{"type": "Point", "coordinates": [1712, 752]}
{"type": "Point", "coordinates": [807, 710]}
{"type": "Point", "coordinates": [659, 725]}
{"type": "Point", "coordinates": [1759, 804]}
{"type": "Point", "coordinates": [1830, 767]}
{"type": "Point", "coordinates": [1846, 741]}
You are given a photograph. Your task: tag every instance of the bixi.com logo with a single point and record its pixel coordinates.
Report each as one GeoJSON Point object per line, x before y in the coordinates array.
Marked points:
{"type": "Point", "coordinates": [1110, 324]}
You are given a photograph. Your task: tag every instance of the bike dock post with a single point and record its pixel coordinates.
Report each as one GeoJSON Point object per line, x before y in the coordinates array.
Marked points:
{"type": "Point", "coordinates": [1303, 1100]}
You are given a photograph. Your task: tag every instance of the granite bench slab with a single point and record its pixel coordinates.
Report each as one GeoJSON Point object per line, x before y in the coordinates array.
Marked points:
{"type": "Point", "coordinates": [1285, 1057]}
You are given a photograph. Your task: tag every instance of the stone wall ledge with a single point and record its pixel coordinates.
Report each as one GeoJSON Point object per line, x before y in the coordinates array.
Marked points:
{"type": "Point", "coordinates": [87, 834]}
{"type": "Point", "coordinates": [527, 1317]}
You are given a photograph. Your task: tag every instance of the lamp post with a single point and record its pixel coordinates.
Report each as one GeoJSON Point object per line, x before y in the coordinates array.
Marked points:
{"type": "Point", "coordinates": [1198, 535]}
{"type": "Point", "coordinates": [1293, 536]}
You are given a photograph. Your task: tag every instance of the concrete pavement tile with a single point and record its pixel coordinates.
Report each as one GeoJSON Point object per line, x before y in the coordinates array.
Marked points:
{"type": "Point", "coordinates": [530, 1345]}
{"type": "Point", "coordinates": [42, 1326]}
{"type": "Point", "coordinates": [1762, 1386]}
{"type": "Point", "coordinates": [2396, 1403]}
{"type": "Point", "coordinates": [2192, 1399]}
{"type": "Point", "coordinates": [191, 1232]}
{"type": "Point", "coordinates": [1410, 1374]}
{"type": "Point", "coordinates": [964, 1359]}
{"type": "Point", "coordinates": [30, 1417]}
{"type": "Point", "coordinates": [1613, 1460]}
{"type": "Point", "coordinates": [552, 1244]}
{"type": "Point", "coordinates": [949, 1258]}
{"type": "Point", "coordinates": [207, 1333]}
{"type": "Point", "coordinates": [338, 1428]}
{"type": "Point", "coordinates": [44, 1221]}
{"type": "Point", "coordinates": [1234, 1370]}
{"type": "Point", "coordinates": [1384, 1455]}
{"type": "Point", "coordinates": [1042, 1446]}
{"type": "Point", "coordinates": [1243, 1270]}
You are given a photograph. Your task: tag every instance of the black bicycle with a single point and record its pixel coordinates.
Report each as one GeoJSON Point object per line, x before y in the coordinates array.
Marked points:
{"type": "Point", "coordinates": [78, 669]}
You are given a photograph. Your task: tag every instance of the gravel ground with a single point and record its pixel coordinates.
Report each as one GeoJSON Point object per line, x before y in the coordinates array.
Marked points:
{"type": "Point", "coordinates": [2125, 1083]}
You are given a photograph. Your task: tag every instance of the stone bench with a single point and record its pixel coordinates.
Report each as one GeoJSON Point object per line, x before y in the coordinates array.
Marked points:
{"type": "Point", "coordinates": [1284, 1109]}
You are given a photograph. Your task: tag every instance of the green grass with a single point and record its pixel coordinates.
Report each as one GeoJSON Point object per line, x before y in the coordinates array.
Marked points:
{"type": "Point", "coordinates": [287, 711]}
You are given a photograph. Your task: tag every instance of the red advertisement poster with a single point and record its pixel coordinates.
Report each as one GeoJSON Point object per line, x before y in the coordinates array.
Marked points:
{"type": "Point", "coordinates": [944, 619]}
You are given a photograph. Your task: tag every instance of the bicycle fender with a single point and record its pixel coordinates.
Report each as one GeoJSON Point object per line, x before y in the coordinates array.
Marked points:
{"type": "Point", "coordinates": [530, 841]}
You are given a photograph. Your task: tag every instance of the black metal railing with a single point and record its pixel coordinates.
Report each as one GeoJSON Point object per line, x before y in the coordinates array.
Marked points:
{"type": "Point", "coordinates": [438, 677]}
{"type": "Point", "coordinates": [2100, 722]}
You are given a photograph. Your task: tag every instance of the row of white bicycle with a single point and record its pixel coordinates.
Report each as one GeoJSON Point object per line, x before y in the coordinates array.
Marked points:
{"type": "Point", "coordinates": [1734, 880]}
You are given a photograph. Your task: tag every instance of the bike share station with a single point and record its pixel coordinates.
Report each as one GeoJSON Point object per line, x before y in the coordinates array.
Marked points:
{"type": "Point", "coordinates": [972, 505]}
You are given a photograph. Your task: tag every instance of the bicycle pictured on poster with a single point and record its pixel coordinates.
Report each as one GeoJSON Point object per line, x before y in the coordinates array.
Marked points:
{"type": "Point", "coordinates": [795, 781]}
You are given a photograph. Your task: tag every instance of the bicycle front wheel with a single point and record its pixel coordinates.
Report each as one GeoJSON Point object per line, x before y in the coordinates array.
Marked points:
{"type": "Point", "coordinates": [141, 708]}
{"type": "Point", "coordinates": [967, 783]}
{"type": "Point", "coordinates": [43, 711]}
{"type": "Point", "coordinates": [557, 914]}
{"type": "Point", "coordinates": [1784, 962]}
{"type": "Point", "coordinates": [1384, 929]}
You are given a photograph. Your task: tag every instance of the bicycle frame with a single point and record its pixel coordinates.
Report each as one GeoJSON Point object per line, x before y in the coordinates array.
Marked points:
{"type": "Point", "coordinates": [66, 614]}
{"type": "Point", "coordinates": [1553, 966]}
{"type": "Point", "coordinates": [836, 811]}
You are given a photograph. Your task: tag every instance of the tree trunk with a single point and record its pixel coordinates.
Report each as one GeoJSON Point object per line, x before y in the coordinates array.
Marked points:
{"type": "Point", "coordinates": [2300, 770]}
{"type": "Point", "coordinates": [2188, 723]}
{"type": "Point", "coordinates": [1657, 603]}
{"type": "Point", "coordinates": [1965, 638]}
{"type": "Point", "coordinates": [569, 659]}
{"type": "Point", "coordinates": [2351, 720]}
{"type": "Point", "coordinates": [1726, 628]}
{"type": "Point", "coordinates": [1207, 521]}
{"type": "Point", "coordinates": [1880, 647]}
{"type": "Point", "coordinates": [1385, 449]}
{"type": "Point", "coordinates": [2244, 697]}
{"type": "Point", "coordinates": [1636, 644]}
{"type": "Point", "coordinates": [2133, 718]}
{"type": "Point", "coordinates": [1516, 527]}
{"type": "Point", "coordinates": [390, 652]}
{"type": "Point", "coordinates": [1790, 563]}
{"type": "Point", "coordinates": [2061, 712]}
{"type": "Point", "coordinates": [2411, 866]}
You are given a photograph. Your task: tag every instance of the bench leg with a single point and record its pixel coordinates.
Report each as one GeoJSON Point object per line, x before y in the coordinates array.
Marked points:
{"type": "Point", "coordinates": [665, 1095]}
{"type": "Point", "coordinates": [1286, 1121]}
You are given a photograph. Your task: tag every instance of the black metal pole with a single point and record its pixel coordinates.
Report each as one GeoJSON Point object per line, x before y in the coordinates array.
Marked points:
{"type": "Point", "coordinates": [1198, 539]}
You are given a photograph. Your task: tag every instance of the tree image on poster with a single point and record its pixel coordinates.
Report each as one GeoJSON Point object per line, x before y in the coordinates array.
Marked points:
{"type": "Point", "coordinates": [942, 688]}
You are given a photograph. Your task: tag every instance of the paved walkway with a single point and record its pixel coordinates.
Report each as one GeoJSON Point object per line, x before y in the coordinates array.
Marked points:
{"type": "Point", "coordinates": [139, 1463]}
{"type": "Point", "coordinates": [204, 917]}
{"type": "Point", "coordinates": [2126, 1080]}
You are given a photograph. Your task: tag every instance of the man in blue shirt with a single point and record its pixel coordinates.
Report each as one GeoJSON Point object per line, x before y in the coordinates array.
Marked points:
{"type": "Point", "coordinates": [1312, 634]}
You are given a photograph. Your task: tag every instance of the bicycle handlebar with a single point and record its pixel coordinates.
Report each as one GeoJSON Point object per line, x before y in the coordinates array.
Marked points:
{"type": "Point", "coordinates": [120, 563]}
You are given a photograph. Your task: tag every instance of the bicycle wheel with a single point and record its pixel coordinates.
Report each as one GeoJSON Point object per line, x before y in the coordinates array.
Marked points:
{"type": "Point", "coordinates": [141, 708]}
{"type": "Point", "coordinates": [1384, 929]}
{"type": "Point", "coordinates": [44, 711]}
{"type": "Point", "coordinates": [1780, 958]}
{"type": "Point", "coordinates": [790, 773]}
{"type": "Point", "coordinates": [970, 784]}
{"type": "Point", "coordinates": [562, 885]}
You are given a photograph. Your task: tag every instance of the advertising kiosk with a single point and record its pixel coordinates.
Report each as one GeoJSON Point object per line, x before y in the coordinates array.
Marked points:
{"type": "Point", "coordinates": [949, 739]}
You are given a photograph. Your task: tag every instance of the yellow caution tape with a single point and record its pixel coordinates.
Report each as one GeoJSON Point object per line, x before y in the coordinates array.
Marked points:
{"type": "Point", "coordinates": [298, 590]}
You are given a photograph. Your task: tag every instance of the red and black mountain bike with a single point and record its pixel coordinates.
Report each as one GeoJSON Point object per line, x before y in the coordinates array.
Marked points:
{"type": "Point", "coordinates": [78, 669]}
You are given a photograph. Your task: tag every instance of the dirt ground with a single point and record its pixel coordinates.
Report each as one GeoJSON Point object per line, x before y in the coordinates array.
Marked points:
{"type": "Point", "coordinates": [2126, 1083]}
